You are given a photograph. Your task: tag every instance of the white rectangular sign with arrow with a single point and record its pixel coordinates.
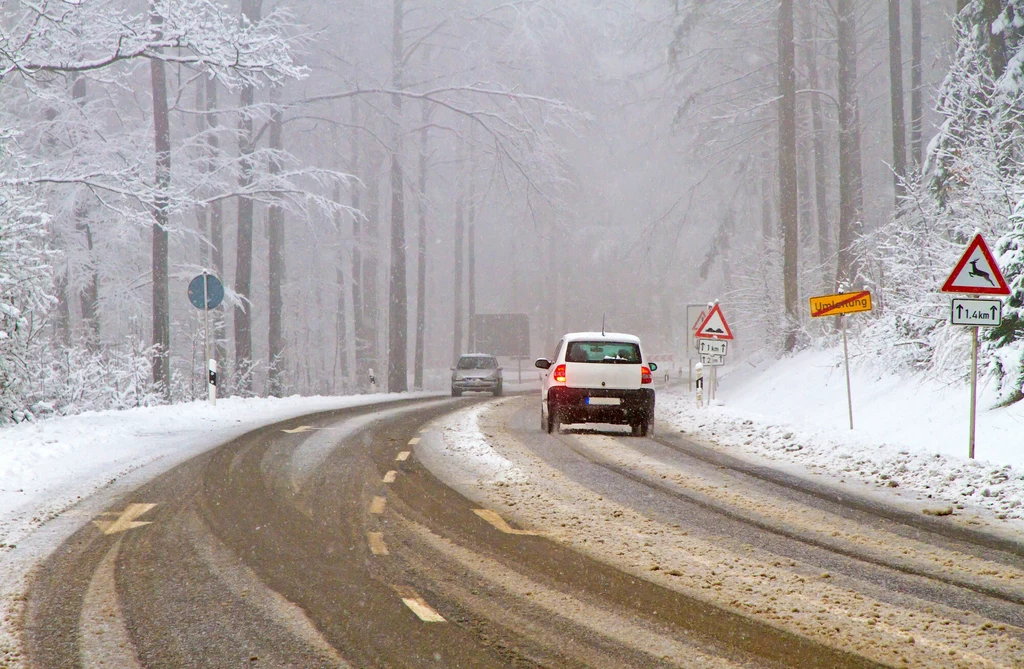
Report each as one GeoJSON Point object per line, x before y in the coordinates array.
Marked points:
{"type": "Point", "coordinates": [977, 312]}
{"type": "Point", "coordinates": [712, 347]}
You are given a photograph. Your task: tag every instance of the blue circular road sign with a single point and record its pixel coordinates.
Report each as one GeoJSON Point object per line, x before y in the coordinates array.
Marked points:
{"type": "Point", "coordinates": [214, 291]}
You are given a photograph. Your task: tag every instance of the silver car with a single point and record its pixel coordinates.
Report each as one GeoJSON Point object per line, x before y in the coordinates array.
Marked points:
{"type": "Point", "coordinates": [476, 372]}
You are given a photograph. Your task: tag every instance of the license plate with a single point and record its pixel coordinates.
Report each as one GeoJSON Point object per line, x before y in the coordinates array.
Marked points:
{"type": "Point", "coordinates": [604, 401]}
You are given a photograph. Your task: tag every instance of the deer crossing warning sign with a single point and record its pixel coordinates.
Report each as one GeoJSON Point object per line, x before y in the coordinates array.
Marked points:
{"type": "Point", "coordinates": [977, 272]}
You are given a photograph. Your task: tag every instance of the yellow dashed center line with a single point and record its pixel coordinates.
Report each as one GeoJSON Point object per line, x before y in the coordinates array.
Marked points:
{"type": "Point", "coordinates": [378, 504]}
{"type": "Point", "coordinates": [404, 455]}
{"type": "Point", "coordinates": [499, 523]}
{"type": "Point", "coordinates": [422, 610]}
{"type": "Point", "coordinates": [377, 545]}
{"type": "Point", "coordinates": [390, 476]}
{"type": "Point", "coordinates": [414, 441]}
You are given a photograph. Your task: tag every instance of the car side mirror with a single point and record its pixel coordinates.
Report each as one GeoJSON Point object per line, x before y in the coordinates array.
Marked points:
{"type": "Point", "coordinates": [542, 363]}
{"type": "Point", "coordinates": [653, 366]}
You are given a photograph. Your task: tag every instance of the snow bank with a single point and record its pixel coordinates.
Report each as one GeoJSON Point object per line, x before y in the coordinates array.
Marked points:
{"type": "Point", "coordinates": [910, 431]}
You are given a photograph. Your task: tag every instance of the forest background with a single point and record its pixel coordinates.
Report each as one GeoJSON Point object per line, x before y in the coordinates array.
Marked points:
{"type": "Point", "coordinates": [366, 177]}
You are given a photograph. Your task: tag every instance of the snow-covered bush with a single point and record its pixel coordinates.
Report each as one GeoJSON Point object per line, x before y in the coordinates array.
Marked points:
{"type": "Point", "coordinates": [75, 379]}
{"type": "Point", "coordinates": [25, 296]}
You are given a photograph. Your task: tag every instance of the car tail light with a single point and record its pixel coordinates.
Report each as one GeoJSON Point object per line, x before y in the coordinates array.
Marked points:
{"type": "Point", "coordinates": [560, 374]}
{"type": "Point", "coordinates": [645, 375]}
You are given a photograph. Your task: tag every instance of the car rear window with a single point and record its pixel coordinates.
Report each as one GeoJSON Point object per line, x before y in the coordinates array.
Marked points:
{"type": "Point", "coordinates": [477, 362]}
{"type": "Point", "coordinates": [607, 352]}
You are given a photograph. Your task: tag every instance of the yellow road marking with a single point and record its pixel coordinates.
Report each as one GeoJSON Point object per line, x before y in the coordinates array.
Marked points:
{"type": "Point", "coordinates": [378, 504]}
{"type": "Point", "coordinates": [422, 610]}
{"type": "Point", "coordinates": [377, 545]}
{"type": "Point", "coordinates": [414, 441]}
{"type": "Point", "coordinates": [390, 476]}
{"type": "Point", "coordinates": [404, 455]}
{"type": "Point", "coordinates": [126, 520]}
{"type": "Point", "coordinates": [300, 429]}
{"type": "Point", "coordinates": [499, 523]}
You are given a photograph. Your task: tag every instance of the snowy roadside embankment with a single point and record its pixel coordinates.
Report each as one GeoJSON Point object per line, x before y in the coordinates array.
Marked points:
{"type": "Point", "coordinates": [910, 433]}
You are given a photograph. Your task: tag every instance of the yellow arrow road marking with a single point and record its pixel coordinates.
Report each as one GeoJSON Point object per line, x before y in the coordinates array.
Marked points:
{"type": "Point", "coordinates": [423, 611]}
{"type": "Point", "coordinates": [390, 476]}
{"type": "Point", "coordinates": [404, 455]}
{"type": "Point", "coordinates": [499, 523]}
{"type": "Point", "coordinates": [377, 545]}
{"type": "Point", "coordinates": [300, 429]}
{"type": "Point", "coordinates": [414, 441]}
{"type": "Point", "coordinates": [125, 520]}
{"type": "Point", "coordinates": [378, 504]}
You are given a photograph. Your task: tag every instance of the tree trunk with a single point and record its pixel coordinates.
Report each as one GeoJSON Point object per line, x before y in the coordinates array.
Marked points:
{"type": "Point", "coordinates": [275, 264]}
{"type": "Point", "coordinates": [341, 324]}
{"type": "Point", "coordinates": [421, 265]}
{"type": "Point", "coordinates": [851, 196]}
{"type": "Point", "coordinates": [371, 261]}
{"type": "Point", "coordinates": [788, 196]}
{"type": "Point", "coordinates": [471, 221]}
{"type": "Point", "coordinates": [90, 296]}
{"type": "Point", "coordinates": [767, 224]}
{"type": "Point", "coordinates": [202, 212]}
{"type": "Point", "coordinates": [460, 233]}
{"type": "Point", "coordinates": [916, 82]}
{"type": "Point", "coordinates": [992, 9]}
{"type": "Point", "coordinates": [820, 160]}
{"type": "Point", "coordinates": [358, 319]}
{"type": "Point", "coordinates": [216, 218]}
{"type": "Point", "coordinates": [161, 303]}
{"type": "Point", "coordinates": [243, 244]}
{"type": "Point", "coordinates": [899, 138]}
{"type": "Point", "coordinates": [398, 303]}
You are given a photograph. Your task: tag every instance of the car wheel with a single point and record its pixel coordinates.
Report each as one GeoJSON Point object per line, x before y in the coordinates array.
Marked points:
{"type": "Point", "coordinates": [636, 428]}
{"type": "Point", "coordinates": [456, 393]}
{"type": "Point", "coordinates": [553, 422]}
{"type": "Point", "coordinates": [647, 427]}
{"type": "Point", "coordinates": [498, 391]}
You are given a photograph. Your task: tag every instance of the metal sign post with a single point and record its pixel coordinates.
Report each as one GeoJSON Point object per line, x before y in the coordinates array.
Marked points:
{"type": "Point", "coordinates": [207, 292]}
{"type": "Point", "coordinates": [976, 274]}
{"type": "Point", "coordinates": [714, 333]}
{"type": "Point", "coordinates": [846, 359]}
{"type": "Point", "coordinates": [837, 305]}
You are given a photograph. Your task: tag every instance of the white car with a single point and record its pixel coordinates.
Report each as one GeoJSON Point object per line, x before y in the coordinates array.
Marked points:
{"type": "Point", "coordinates": [598, 377]}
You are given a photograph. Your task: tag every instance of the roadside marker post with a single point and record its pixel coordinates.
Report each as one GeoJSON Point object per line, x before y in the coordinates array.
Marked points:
{"type": "Point", "coordinates": [840, 304]}
{"type": "Point", "coordinates": [699, 372]}
{"type": "Point", "coordinates": [983, 278]}
{"type": "Point", "coordinates": [207, 292]}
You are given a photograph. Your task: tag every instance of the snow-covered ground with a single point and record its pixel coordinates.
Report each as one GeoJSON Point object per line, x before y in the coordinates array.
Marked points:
{"type": "Point", "coordinates": [56, 474]}
{"type": "Point", "coordinates": [910, 436]}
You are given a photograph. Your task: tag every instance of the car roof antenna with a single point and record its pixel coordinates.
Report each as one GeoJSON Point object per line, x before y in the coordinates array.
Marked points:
{"type": "Point", "coordinates": [602, 325]}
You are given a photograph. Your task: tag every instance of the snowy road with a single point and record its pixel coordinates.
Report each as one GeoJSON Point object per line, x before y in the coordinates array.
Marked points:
{"type": "Point", "coordinates": [413, 535]}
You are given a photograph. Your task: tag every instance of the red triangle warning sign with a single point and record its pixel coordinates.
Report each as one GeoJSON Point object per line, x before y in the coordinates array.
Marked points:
{"type": "Point", "coordinates": [977, 272]}
{"type": "Point", "coordinates": [700, 319]}
{"type": "Point", "coordinates": [714, 326]}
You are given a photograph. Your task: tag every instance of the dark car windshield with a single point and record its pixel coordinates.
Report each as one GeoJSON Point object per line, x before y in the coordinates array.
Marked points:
{"type": "Point", "coordinates": [477, 362]}
{"type": "Point", "coordinates": [610, 352]}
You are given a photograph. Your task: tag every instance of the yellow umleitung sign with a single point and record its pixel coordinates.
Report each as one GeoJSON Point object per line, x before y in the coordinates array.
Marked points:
{"type": "Point", "coordinates": [843, 303]}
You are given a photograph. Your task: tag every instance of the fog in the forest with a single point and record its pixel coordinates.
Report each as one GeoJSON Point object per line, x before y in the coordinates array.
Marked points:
{"type": "Point", "coordinates": [364, 176]}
